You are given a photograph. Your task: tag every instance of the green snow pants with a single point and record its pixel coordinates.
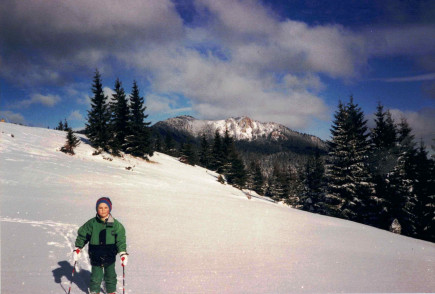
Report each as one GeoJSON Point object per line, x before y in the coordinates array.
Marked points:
{"type": "Point", "coordinates": [109, 275]}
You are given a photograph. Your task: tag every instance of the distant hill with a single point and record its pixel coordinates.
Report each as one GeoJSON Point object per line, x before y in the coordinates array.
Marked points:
{"type": "Point", "coordinates": [254, 136]}
{"type": "Point", "coordinates": [269, 144]}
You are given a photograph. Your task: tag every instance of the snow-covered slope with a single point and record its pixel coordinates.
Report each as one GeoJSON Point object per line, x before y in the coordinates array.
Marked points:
{"type": "Point", "coordinates": [240, 128]}
{"type": "Point", "coordinates": [186, 232]}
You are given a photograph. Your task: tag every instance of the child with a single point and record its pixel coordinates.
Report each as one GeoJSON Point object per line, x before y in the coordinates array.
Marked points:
{"type": "Point", "coordinates": [106, 237]}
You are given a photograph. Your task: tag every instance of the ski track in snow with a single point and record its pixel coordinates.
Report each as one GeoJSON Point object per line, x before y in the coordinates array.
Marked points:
{"type": "Point", "coordinates": [66, 231]}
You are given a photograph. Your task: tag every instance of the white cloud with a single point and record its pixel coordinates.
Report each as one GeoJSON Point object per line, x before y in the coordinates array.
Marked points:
{"type": "Point", "coordinates": [76, 116]}
{"type": "Point", "coordinates": [45, 100]}
{"type": "Point", "coordinates": [219, 89]}
{"type": "Point", "coordinates": [411, 40]}
{"type": "Point", "coordinates": [418, 78]}
{"type": "Point", "coordinates": [12, 117]}
{"type": "Point", "coordinates": [84, 100]}
{"type": "Point", "coordinates": [243, 60]}
{"type": "Point", "coordinates": [422, 123]}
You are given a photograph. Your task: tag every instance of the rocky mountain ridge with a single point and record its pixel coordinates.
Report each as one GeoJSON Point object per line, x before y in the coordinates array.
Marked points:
{"type": "Point", "coordinates": [240, 128]}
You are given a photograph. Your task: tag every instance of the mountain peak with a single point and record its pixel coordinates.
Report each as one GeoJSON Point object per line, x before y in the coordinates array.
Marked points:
{"type": "Point", "coordinates": [240, 128]}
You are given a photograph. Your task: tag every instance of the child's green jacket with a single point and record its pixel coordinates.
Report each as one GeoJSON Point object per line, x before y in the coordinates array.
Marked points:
{"type": "Point", "coordinates": [106, 239]}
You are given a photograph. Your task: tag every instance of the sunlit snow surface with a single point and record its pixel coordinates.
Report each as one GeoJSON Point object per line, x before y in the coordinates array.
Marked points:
{"type": "Point", "coordinates": [186, 232]}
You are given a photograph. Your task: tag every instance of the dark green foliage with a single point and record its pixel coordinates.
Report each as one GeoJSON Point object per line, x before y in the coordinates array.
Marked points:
{"type": "Point", "coordinates": [119, 119]}
{"type": "Point", "coordinates": [402, 197]}
{"type": "Point", "coordinates": [258, 179]}
{"type": "Point", "coordinates": [71, 142]}
{"type": "Point", "coordinates": [236, 175]}
{"type": "Point", "coordinates": [188, 154]}
{"type": "Point", "coordinates": [314, 184]}
{"type": "Point", "coordinates": [158, 144]}
{"type": "Point", "coordinates": [170, 147]}
{"type": "Point", "coordinates": [62, 126]}
{"type": "Point", "coordinates": [98, 117]}
{"type": "Point", "coordinates": [59, 126]}
{"type": "Point", "coordinates": [205, 158]}
{"type": "Point", "coordinates": [138, 139]}
{"type": "Point", "coordinates": [218, 156]}
{"type": "Point", "coordinates": [424, 188]}
{"type": "Point", "coordinates": [349, 182]}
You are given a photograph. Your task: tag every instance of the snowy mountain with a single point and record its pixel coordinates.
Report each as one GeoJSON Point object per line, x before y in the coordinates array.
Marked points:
{"type": "Point", "coordinates": [240, 128]}
{"type": "Point", "coordinates": [186, 232]}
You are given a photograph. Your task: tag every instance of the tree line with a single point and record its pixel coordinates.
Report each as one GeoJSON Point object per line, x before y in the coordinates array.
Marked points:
{"type": "Point", "coordinates": [379, 177]}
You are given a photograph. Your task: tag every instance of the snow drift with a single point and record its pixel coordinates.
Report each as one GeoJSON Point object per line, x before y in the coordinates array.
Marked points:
{"type": "Point", "coordinates": [186, 232]}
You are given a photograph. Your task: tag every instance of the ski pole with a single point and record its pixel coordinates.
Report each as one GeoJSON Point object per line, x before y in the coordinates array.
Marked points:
{"type": "Point", "coordinates": [123, 279]}
{"type": "Point", "coordinates": [70, 284]}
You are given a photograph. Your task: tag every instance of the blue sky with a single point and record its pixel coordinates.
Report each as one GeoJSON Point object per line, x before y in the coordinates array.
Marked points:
{"type": "Point", "coordinates": [284, 61]}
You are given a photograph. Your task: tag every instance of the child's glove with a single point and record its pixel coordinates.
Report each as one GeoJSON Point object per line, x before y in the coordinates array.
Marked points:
{"type": "Point", "coordinates": [124, 258]}
{"type": "Point", "coordinates": [76, 254]}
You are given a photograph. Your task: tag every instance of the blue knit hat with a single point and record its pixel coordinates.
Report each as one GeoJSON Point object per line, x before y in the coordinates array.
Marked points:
{"type": "Point", "coordinates": [105, 200]}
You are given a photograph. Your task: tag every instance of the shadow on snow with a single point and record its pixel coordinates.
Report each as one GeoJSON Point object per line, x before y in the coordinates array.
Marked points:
{"type": "Point", "coordinates": [81, 278]}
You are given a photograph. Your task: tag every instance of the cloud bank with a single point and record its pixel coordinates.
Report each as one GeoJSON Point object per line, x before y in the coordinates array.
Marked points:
{"type": "Point", "coordinates": [233, 58]}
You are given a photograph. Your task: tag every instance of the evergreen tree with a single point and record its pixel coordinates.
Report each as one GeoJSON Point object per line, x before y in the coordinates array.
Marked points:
{"type": "Point", "coordinates": [337, 164]}
{"type": "Point", "coordinates": [217, 154]}
{"type": "Point", "coordinates": [98, 117]}
{"type": "Point", "coordinates": [188, 154]}
{"type": "Point", "coordinates": [204, 153]}
{"type": "Point", "coordinates": [59, 126]}
{"type": "Point", "coordinates": [349, 184]}
{"type": "Point", "coordinates": [402, 198]}
{"type": "Point", "coordinates": [425, 191]}
{"type": "Point", "coordinates": [169, 145]}
{"type": "Point", "coordinates": [313, 184]}
{"type": "Point", "coordinates": [119, 119]}
{"type": "Point", "coordinates": [429, 209]}
{"type": "Point", "coordinates": [383, 157]}
{"type": "Point", "coordinates": [275, 184]}
{"type": "Point", "coordinates": [138, 140]}
{"type": "Point", "coordinates": [65, 125]}
{"type": "Point", "coordinates": [292, 188]}
{"type": "Point", "coordinates": [257, 178]}
{"type": "Point", "coordinates": [158, 146]}
{"type": "Point", "coordinates": [71, 142]}
{"type": "Point", "coordinates": [236, 175]}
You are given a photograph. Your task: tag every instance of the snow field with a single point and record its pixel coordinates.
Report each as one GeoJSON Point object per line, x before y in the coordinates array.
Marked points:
{"type": "Point", "coordinates": [186, 232]}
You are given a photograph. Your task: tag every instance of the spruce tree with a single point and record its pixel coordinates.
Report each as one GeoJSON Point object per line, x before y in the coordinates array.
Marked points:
{"type": "Point", "coordinates": [314, 184]}
{"type": "Point", "coordinates": [204, 153]}
{"type": "Point", "coordinates": [188, 154]}
{"type": "Point", "coordinates": [292, 188]}
{"type": "Point", "coordinates": [158, 145]}
{"type": "Point", "coordinates": [138, 139]}
{"type": "Point", "coordinates": [217, 153]}
{"type": "Point", "coordinates": [382, 161]}
{"type": "Point", "coordinates": [169, 145]}
{"type": "Point", "coordinates": [71, 142]}
{"type": "Point", "coordinates": [424, 190]}
{"type": "Point", "coordinates": [119, 119]}
{"type": "Point", "coordinates": [60, 126]}
{"type": "Point", "coordinates": [98, 117]}
{"type": "Point", "coordinates": [258, 179]}
{"type": "Point", "coordinates": [402, 198]}
{"type": "Point", "coordinates": [337, 164]}
{"type": "Point", "coordinates": [236, 175]}
{"type": "Point", "coordinates": [350, 185]}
